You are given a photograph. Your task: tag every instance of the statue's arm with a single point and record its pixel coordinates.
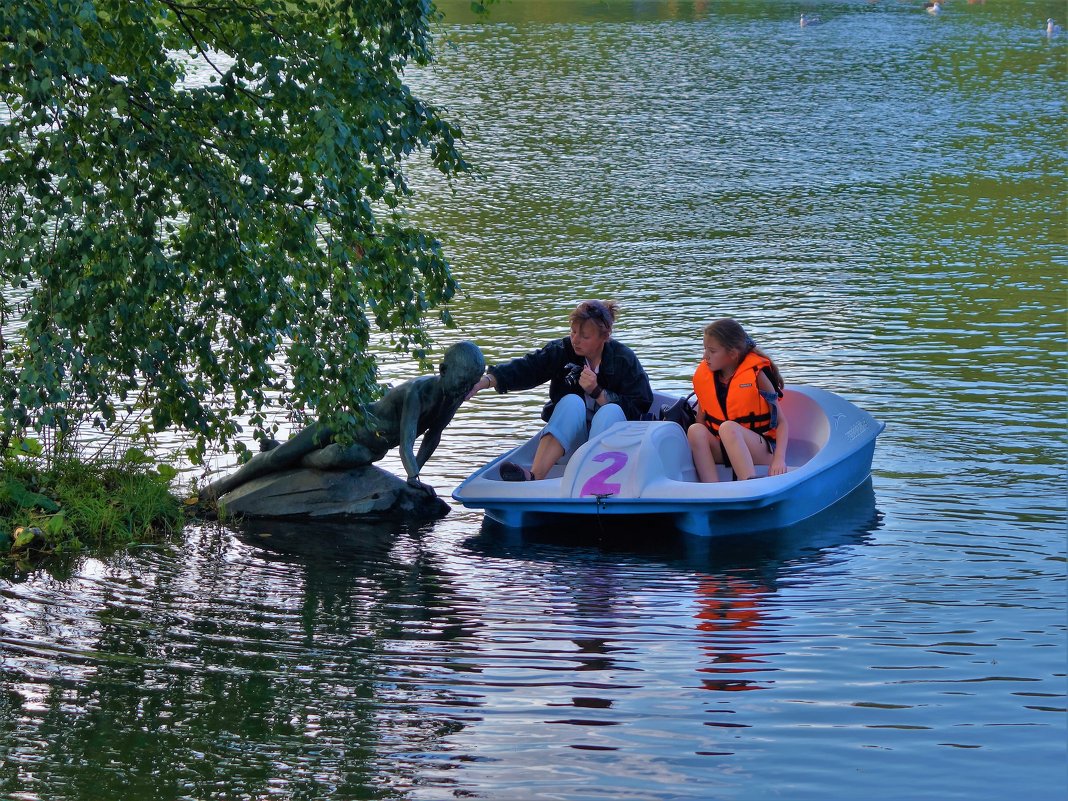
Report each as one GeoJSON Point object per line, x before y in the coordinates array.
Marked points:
{"type": "Point", "coordinates": [432, 437]}
{"type": "Point", "coordinates": [409, 428]}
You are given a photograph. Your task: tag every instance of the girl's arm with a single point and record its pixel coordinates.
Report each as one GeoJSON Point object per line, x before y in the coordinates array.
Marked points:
{"type": "Point", "coordinates": [782, 429]}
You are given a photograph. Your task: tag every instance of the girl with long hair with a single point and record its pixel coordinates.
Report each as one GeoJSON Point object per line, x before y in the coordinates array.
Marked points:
{"type": "Point", "coordinates": [739, 422]}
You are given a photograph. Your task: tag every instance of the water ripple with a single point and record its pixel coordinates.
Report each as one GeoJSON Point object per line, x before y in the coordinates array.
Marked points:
{"type": "Point", "coordinates": [878, 202]}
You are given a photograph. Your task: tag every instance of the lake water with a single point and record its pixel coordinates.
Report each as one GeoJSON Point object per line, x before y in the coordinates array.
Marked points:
{"type": "Point", "coordinates": [880, 200]}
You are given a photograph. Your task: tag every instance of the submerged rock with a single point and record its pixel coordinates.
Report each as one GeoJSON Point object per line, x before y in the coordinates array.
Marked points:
{"type": "Point", "coordinates": [366, 491]}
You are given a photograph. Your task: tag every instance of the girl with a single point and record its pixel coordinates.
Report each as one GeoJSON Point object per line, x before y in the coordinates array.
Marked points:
{"type": "Point", "coordinates": [739, 423]}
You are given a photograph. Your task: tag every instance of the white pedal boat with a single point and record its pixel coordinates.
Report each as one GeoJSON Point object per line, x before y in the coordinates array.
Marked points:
{"type": "Point", "coordinates": [645, 468]}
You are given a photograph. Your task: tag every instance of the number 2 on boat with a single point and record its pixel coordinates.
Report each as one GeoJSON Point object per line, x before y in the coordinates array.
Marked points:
{"type": "Point", "coordinates": [596, 484]}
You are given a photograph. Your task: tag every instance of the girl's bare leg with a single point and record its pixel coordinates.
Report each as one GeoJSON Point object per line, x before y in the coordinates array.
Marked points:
{"type": "Point", "coordinates": [745, 447]}
{"type": "Point", "coordinates": [706, 452]}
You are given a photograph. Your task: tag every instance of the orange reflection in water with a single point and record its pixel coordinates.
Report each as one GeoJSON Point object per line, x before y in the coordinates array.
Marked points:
{"type": "Point", "coordinates": [731, 613]}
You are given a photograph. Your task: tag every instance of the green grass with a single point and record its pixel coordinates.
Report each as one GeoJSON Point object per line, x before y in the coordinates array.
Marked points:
{"type": "Point", "coordinates": [68, 505]}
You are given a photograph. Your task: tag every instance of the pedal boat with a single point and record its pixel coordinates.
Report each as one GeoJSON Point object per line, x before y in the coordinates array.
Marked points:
{"type": "Point", "coordinates": [645, 468]}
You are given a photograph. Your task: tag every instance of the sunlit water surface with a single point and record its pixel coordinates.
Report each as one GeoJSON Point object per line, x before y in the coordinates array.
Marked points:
{"type": "Point", "coordinates": [880, 201]}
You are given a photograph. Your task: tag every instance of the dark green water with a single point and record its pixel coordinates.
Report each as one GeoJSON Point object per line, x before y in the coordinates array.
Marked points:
{"type": "Point", "coordinates": [880, 200]}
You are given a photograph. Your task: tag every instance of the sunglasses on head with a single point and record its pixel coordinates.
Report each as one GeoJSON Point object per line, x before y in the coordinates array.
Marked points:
{"type": "Point", "coordinates": [596, 310]}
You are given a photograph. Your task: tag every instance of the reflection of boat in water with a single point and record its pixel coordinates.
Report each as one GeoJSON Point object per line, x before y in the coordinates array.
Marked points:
{"type": "Point", "coordinates": [645, 468]}
{"type": "Point", "coordinates": [727, 587]}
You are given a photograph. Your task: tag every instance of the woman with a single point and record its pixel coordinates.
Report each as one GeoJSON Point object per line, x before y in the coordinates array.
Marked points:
{"type": "Point", "coordinates": [594, 382]}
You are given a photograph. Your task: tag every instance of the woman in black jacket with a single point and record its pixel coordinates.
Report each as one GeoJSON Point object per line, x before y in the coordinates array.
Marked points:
{"type": "Point", "coordinates": [594, 382]}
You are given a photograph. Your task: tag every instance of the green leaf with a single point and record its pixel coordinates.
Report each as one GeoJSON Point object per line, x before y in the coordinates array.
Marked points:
{"type": "Point", "coordinates": [25, 446]}
{"type": "Point", "coordinates": [14, 493]}
{"type": "Point", "coordinates": [135, 456]}
{"type": "Point", "coordinates": [23, 537]}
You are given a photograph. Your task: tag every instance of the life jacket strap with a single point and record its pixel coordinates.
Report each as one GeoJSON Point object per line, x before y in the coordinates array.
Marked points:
{"type": "Point", "coordinates": [760, 423]}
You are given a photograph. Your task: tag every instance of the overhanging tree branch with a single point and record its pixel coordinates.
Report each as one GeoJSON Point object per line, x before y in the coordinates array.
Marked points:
{"type": "Point", "coordinates": [171, 234]}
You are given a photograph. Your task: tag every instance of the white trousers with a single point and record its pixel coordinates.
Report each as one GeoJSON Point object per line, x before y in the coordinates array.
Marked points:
{"type": "Point", "coordinates": [568, 422]}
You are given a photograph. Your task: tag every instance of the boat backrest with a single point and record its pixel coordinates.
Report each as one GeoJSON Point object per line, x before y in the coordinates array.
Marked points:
{"type": "Point", "coordinates": [809, 428]}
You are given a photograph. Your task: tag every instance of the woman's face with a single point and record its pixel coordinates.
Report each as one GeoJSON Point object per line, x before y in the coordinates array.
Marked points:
{"type": "Point", "coordinates": [718, 357]}
{"type": "Point", "coordinates": [587, 338]}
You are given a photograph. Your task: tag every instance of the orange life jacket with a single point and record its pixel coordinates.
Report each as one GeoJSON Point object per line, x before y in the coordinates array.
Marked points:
{"type": "Point", "coordinates": [745, 404]}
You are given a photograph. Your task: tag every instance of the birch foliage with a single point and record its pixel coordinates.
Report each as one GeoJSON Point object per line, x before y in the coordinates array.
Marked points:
{"type": "Point", "coordinates": [204, 251]}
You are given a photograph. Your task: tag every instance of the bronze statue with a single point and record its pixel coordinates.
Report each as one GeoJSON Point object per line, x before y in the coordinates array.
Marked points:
{"type": "Point", "coordinates": [421, 406]}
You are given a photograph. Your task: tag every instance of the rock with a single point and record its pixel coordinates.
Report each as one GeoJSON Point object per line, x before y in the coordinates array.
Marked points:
{"type": "Point", "coordinates": [366, 491]}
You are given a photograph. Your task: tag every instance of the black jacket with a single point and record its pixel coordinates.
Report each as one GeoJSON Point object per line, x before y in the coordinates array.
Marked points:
{"type": "Point", "coordinates": [620, 374]}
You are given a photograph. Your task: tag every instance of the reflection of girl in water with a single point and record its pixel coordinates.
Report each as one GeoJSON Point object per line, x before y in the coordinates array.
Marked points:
{"type": "Point", "coordinates": [731, 606]}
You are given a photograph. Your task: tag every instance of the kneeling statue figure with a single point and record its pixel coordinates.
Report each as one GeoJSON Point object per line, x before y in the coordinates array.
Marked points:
{"type": "Point", "coordinates": [420, 406]}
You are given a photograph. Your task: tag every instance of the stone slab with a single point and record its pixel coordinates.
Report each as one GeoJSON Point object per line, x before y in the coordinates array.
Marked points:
{"type": "Point", "coordinates": [366, 491]}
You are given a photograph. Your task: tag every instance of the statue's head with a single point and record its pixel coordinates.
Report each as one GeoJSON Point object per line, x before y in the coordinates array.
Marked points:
{"type": "Point", "coordinates": [461, 367]}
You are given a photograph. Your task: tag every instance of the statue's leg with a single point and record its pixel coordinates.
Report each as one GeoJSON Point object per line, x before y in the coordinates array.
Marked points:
{"type": "Point", "coordinates": [336, 457]}
{"type": "Point", "coordinates": [286, 455]}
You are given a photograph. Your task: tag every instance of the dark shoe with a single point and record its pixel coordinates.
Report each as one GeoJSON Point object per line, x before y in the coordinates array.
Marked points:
{"type": "Point", "coordinates": [510, 471]}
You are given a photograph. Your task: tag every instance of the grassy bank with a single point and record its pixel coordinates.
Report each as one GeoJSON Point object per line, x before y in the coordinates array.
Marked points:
{"type": "Point", "coordinates": [67, 505]}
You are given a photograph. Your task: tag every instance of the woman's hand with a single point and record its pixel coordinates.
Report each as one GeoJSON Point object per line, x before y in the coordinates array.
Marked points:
{"type": "Point", "coordinates": [777, 466]}
{"type": "Point", "coordinates": [588, 380]}
{"type": "Point", "coordinates": [483, 383]}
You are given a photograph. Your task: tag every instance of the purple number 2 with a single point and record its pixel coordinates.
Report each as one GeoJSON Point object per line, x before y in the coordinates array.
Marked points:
{"type": "Point", "coordinates": [596, 484]}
